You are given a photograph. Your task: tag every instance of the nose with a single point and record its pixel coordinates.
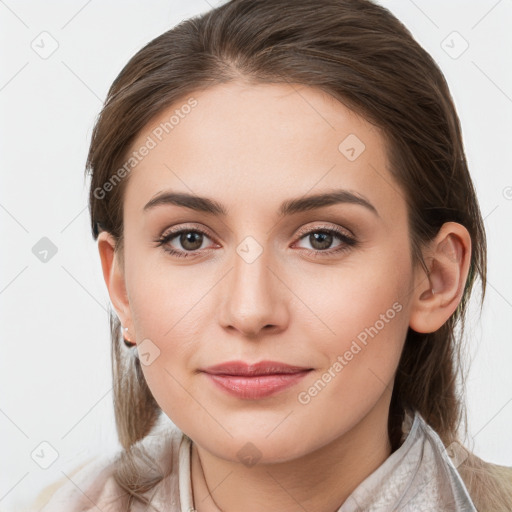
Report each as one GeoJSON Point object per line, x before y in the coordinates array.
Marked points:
{"type": "Point", "coordinates": [253, 298]}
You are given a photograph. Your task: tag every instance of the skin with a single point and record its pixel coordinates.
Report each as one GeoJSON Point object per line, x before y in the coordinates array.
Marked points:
{"type": "Point", "coordinates": [251, 147]}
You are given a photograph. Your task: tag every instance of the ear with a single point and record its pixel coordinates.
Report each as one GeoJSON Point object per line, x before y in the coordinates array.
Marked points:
{"type": "Point", "coordinates": [448, 258]}
{"type": "Point", "coordinates": [113, 274]}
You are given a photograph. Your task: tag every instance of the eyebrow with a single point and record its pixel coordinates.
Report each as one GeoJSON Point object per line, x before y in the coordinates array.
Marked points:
{"type": "Point", "coordinates": [288, 207]}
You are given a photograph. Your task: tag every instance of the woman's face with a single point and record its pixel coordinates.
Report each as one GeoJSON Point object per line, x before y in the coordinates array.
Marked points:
{"type": "Point", "coordinates": [258, 274]}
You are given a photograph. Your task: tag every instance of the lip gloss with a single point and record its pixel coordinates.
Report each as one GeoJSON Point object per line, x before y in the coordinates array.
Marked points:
{"type": "Point", "coordinates": [258, 386]}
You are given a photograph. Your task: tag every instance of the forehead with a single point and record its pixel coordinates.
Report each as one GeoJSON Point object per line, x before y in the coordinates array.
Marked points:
{"type": "Point", "coordinates": [259, 143]}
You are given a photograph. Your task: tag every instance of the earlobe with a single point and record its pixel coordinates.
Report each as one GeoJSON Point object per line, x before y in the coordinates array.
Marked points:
{"type": "Point", "coordinates": [437, 295]}
{"type": "Point", "coordinates": [114, 277]}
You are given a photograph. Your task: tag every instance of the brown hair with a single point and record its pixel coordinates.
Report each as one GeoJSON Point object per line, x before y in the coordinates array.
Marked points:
{"type": "Point", "coordinates": [360, 54]}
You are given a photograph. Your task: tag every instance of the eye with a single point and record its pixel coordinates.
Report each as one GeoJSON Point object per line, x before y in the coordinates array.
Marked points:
{"type": "Point", "coordinates": [322, 238]}
{"type": "Point", "coordinates": [190, 240]}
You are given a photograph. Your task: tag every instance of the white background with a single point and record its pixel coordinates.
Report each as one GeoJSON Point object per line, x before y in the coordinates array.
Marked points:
{"type": "Point", "coordinates": [55, 362]}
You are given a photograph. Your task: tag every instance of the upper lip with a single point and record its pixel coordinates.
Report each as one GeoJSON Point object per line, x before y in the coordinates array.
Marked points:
{"type": "Point", "coordinates": [245, 369]}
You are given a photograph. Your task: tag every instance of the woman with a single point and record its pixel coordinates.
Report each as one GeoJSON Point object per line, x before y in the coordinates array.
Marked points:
{"type": "Point", "coordinates": [289, 235]}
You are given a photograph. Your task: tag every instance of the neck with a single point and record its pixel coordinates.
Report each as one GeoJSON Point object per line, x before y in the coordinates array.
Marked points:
{"type": "Point", "coordinates": [321, 480]}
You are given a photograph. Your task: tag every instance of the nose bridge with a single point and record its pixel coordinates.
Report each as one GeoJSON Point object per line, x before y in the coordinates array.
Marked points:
{"type": "Point", "coordinates": [252, 295]}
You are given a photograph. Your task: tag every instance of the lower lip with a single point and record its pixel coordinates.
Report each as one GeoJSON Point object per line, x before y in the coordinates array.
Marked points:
{"type": "Point", "coordinates": [253, 388]}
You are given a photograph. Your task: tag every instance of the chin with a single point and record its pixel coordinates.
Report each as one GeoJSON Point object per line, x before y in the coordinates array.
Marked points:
{"type": "Point", "coordinates": [251, 444]}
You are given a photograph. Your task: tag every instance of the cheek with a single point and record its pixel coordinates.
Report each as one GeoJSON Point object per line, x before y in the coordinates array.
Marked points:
{"type": "Point", "coordinates": [364, 313]}
{"type": "Point", "coordinates": [369, 293]}
{"type": "Point", "coordinates": [164, 300]}
{"type": "Point", "coordinates": [360, 361]}
{"type": "Point", "coordinates": [167, 310]}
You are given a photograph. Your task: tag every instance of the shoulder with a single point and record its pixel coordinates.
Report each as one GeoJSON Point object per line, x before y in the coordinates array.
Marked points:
{"type": "Point", "coordinates": [44, 496]}
{"type": "Point", "coordinates": [489, 484]}
{"type": "Point", "coordinates": [80, 489]}
{"type": "Point", "coordinates": [484, 485]}
{"type": "Point", "coordinates": [93, 485]}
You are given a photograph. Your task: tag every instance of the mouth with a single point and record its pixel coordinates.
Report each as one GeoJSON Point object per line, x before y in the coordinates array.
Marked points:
{"type": "Point", "coordinates": [254, 381]}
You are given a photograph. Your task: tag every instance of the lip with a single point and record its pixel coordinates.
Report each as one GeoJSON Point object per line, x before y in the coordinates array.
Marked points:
{"type": "Point", "coordinates": [255, 381]}
{"type": "Point", "coordinates": [243, 369]}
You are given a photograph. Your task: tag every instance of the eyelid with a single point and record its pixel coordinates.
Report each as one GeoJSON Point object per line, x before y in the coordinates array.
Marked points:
{"type": "Point", "coordinates": [185, 227]}
{"type": "Point", "coordinates": [325, 226]}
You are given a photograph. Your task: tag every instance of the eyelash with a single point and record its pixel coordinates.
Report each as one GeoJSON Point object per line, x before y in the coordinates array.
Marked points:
{"type": "Point", "coordinates": [348, 242]}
